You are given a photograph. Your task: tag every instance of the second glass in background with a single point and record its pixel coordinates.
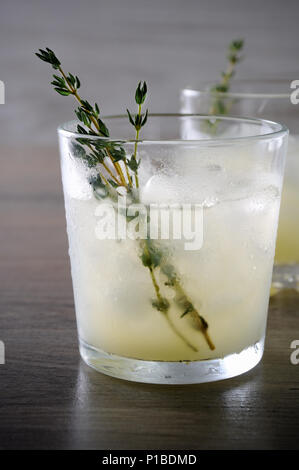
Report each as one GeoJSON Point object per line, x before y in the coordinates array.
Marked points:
{"type": "Point", "coordinates": [269, 99]}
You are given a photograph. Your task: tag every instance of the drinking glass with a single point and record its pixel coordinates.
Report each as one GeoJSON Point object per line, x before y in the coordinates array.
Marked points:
{"type": "Point", "coordinates": [171, 270]}
{"type": "Point", "coordinates": [269, 99]}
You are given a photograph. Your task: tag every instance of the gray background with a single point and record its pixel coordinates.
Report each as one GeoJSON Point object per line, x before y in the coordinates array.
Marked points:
{"type": "Point", "coordinates": [112, 44]}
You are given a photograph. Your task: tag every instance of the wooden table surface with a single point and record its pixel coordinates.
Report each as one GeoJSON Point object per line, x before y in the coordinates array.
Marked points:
{"type": "Point", "coordinates": [50, 399]}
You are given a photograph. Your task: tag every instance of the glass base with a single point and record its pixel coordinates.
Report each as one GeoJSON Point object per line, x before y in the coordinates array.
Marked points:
{"type": "Point", "coordinates": [285, 276]}
{"type": "Point", "coordinates": [160, 372]}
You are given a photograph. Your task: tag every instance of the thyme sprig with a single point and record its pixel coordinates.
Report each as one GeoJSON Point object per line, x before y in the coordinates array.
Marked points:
{"type": "Point", "coordinates": [88, 115]}
{"type": "Point", "coordinates": [234, 56]}
{"type": "Point", "coordinates": [113, 167]}
{"type": "Point", "coordinates": [138, 121]}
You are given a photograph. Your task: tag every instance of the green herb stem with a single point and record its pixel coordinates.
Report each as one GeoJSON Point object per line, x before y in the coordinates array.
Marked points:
{"type": "Point", "coordinates": [151, 256]}
{"type": "Point", "coordinates": [163, 306]}
{"type": "Point", "coordinates": [136, 145]}
{"type": "Point", "coordinates": [234, 57]}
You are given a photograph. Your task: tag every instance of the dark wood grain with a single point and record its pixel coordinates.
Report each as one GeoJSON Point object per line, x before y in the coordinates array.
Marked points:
{"type": "Point", "coordinates": [49, 399]}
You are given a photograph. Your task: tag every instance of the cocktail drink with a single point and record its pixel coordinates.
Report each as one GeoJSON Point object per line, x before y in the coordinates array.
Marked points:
{"type": "Point", "coordinates": [269, 99]}
{"type": "Point", "coordinates": [171, 281]}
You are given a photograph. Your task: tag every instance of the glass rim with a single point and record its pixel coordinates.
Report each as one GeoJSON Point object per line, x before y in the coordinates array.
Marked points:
{"type": "Point", "coordinates": [278, 129]}
{"type": "Point", "coordinates": [192, 91]}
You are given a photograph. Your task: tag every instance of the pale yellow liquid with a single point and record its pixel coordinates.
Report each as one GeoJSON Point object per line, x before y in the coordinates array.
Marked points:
{"type": "Point", "coordinates": [287, 246]}
{"type": "Point", "coordinates": [228, 280]}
